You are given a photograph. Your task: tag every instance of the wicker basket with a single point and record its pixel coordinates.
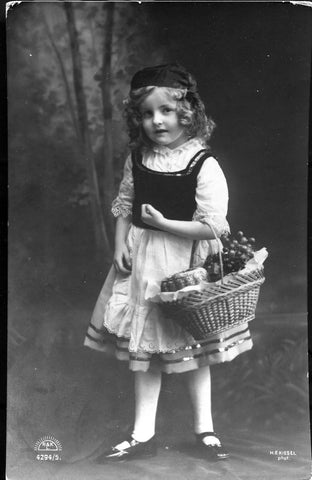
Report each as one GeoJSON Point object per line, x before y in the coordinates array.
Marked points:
{"type": "Point", "coordinates": [219, 306]}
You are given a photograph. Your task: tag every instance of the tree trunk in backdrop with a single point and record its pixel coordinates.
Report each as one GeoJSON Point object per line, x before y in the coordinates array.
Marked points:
{"type": "Point", "coordinates": [100, 231]}
{"type": "Point", "coordinates": [105, 83]}
{"type": "Point", "coordinates": [70, 102]}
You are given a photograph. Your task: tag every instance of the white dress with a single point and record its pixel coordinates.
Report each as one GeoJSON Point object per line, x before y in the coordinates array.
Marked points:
{"type": "Point", "coordinates": [124, 319]}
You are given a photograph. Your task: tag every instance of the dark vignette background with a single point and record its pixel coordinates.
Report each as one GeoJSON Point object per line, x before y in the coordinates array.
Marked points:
{"type": "Point", "coordinates": [252, 63]}
{"type": "Point", "coordinates": [253, 70]}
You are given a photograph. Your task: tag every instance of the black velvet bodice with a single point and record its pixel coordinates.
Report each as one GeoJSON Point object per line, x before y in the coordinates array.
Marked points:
{"type": "Point", "coordinates": [172, 193]}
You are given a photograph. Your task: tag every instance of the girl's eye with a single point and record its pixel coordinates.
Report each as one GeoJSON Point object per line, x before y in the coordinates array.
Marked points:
{"type": "Point", "coordinates": [146, 114]}
{"type": "Point", "coordinates": [167, 110]}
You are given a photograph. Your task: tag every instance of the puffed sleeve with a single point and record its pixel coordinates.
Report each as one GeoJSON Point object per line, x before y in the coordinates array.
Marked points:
{"type": "Point", "coordinates": [212, 196]}
{"type": "Point", "coordinates": [122, 204]}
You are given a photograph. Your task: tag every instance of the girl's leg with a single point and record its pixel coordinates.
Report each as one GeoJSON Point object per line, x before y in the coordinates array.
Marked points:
{"type": "Point", "coordinates": [199, 383]}
{"type": "Point", "coordinates": [147, 388]}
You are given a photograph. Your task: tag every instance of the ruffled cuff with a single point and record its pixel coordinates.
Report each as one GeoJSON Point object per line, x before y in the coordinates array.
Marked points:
{"type": "Point", "coordinates": [122, 210]}
{"type": "Point", "coordinates": [218, 222]}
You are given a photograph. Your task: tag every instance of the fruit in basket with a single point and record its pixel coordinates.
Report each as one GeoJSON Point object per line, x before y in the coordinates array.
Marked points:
{"type": "Point", "coordinates": [192, 276]}
{"type": "Point", "coordinates": [235, 254]}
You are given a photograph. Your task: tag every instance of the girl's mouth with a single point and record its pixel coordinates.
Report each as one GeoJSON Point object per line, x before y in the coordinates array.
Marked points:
{"type": "Point", "coordinates": [160, 131]}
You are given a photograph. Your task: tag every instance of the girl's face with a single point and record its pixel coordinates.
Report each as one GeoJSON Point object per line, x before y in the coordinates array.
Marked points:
{"type": "Point", "coordinates": [160, 121]}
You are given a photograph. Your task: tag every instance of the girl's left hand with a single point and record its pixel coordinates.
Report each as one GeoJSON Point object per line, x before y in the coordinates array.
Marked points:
{"type": "Point", "coordinates": [151, 216]}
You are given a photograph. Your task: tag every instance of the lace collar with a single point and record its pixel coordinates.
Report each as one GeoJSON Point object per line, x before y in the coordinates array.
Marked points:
{"type": "Point", "coordinates": [189, 145]}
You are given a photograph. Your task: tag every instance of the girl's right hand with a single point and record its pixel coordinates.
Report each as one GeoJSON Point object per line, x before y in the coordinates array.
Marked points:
{"type": "Point", "coordinates": [122, 260]}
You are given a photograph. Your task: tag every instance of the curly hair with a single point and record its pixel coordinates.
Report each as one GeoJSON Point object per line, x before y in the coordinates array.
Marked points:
{"type": "Point", "coordinates": [190, 111]}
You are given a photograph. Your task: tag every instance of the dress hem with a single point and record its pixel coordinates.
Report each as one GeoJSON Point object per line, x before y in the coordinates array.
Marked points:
{"type": "Point", "coordinates": [214, 349]}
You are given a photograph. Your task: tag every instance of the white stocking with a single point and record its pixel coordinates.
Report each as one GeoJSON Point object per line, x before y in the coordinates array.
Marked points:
{"type": "Point", "coordinates": [199, 383]}
{"type": "Point", "coordinates": [147, 388]}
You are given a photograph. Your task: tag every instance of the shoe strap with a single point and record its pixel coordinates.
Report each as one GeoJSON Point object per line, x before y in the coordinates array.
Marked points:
{"type": "Point", "coordinates": [206, 434]}
{"type": "Point", "coordinates": [131, 443]}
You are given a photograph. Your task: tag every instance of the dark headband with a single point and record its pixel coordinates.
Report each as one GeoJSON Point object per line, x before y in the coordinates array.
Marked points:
{"type": "Point", "coordinates": [169, 75]}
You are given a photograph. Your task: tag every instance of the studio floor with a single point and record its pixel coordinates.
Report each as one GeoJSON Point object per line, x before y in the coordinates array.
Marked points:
{"type": "Point", "coordinates": [59, 389]}
{"type": "Point", "coordinates": [250, 459]}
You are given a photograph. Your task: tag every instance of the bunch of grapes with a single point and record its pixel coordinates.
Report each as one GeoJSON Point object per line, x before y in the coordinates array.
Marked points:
{"type": "Point", "coordinates": [235, 254]}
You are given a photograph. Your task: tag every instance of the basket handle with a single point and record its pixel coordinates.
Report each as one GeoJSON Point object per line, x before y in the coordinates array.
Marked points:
{"type": "Point", "coordinates": [219, 251]}
{"type": "Point", "coordinates": [195, 243]}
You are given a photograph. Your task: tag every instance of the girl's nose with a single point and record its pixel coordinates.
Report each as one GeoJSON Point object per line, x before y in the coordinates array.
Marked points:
{"type": "Point", "coordinates": [157, 119]}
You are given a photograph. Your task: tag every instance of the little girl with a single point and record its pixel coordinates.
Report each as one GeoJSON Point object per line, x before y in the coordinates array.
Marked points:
{"type": "Point", "coordinates": [173, 192]}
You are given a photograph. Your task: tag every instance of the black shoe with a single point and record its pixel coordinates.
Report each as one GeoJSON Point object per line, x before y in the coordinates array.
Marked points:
{"type": "Point", "coordinates": [211, 452]}
{"type": "Point", "coordinates": [130, 449]}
